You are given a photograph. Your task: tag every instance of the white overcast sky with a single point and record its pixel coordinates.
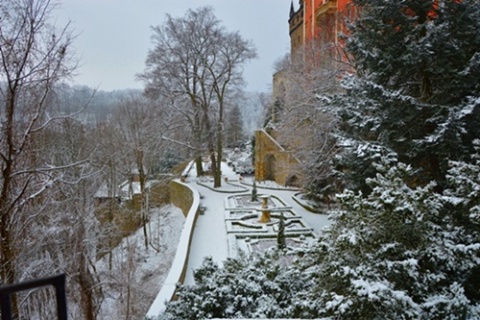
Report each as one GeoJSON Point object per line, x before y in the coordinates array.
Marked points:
{"type": "Point", "coordinates": [114, 35]}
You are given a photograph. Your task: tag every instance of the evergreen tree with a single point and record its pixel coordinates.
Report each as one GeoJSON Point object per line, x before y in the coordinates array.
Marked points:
{"type": "Point", "coordinates": [415, 90]}
{"type": "Point", "coordinates": [281, 241]}
{"type": "Point", "coordinates": [251, 287]}
{"type": "Point", "coordinates": [396, 254]}
{"type": "Point", "coordinates": [254, 192]}
{"type": "Point", "coordinates": [464, 191]}
{"type": "Point", "coordinates": [463, 200]}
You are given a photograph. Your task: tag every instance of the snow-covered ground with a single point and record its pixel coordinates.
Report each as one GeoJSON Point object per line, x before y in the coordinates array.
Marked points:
{"type": "Point", "coordinates": [138, 274]}
{"type": "Point", "coordinates": [210, 235]}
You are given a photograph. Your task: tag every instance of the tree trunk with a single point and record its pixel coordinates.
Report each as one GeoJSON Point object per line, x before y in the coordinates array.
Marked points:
{"type": "Point", "coordinates": [8, 267]}
{"type": "Point", "coordinates": [85, 282]}
{"type": "Point", "coordinates": [213, 159]}
{"type": "Point", "coordinates": [217, 181]}
{"type": "Point", "coordinates": [217, 173]}
{"type": "Point", "coordinates": [8, 259]}
{"type": "Point", "coordinates": [142, 178]}
{"type": "Point", "coordinates": [199, 165]}
{"type": "Point", "coordinates": [197, 133]}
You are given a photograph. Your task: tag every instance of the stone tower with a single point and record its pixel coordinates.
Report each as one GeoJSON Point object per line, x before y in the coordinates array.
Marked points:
{"type": "Point", "coordinates": [317, 19]}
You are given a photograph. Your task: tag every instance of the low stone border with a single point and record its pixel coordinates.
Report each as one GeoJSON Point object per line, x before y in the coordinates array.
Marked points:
{"type": "Point", "coordinates": [179, 266]}
{"type": "Point", "coordinates": [304, 205]}
{"type": "Point", "coordinates": [258, 185]}
{"type": "Point", "coordinates": [243, 189]}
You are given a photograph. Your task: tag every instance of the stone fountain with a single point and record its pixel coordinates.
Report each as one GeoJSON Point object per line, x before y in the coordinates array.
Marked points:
{"type": "Point", "coordinates": [265, 211]}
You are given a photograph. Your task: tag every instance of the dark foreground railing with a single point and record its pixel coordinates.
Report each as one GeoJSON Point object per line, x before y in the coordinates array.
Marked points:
{"type": "Point", "coordinates": [57, 281]}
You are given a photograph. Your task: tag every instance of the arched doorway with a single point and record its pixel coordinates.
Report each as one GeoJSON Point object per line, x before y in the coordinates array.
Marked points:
{"type": "Point", "coordinates": [292, 181]}
{"type": "Point", "coordinates": [270, 167]}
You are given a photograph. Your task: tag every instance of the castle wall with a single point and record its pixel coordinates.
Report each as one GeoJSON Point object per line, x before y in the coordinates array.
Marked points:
{"type": "Point", "coordinates": [273, 162]}
{"type": "Point", "coordinates": [308, 22]}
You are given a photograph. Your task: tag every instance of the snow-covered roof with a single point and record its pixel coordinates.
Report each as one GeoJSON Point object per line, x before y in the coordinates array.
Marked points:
{"type": "Point", "coordinates": [125, 189]}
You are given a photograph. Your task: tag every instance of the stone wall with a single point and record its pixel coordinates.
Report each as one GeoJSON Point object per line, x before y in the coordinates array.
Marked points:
{"type": "Point", "coordinates": [181, 196]}
{"type": "Point", "coordinates": [159, 194]}
{"type": "Point", "coordinates": [273, 161]}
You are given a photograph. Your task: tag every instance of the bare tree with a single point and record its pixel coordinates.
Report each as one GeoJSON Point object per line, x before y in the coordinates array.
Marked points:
{"type": "Point", "coordinates": [108, 160]}
{"type": "Point", "coordinates": [33, 57]}
{"type": "Point", "coordinates": [196, 60]}
{"type": "Point", "coordinates": [303, 124]}
{"type": "Point", "coordinates": [66, 229]}
{"type": "Point", "coordinates": [172, 71]}
{"type": "Point", "coordinates": [140, 129]}
{"type": "Point", "coordinates": [225, 71]}
{"type": "Point", "coordinates": [138, 143]}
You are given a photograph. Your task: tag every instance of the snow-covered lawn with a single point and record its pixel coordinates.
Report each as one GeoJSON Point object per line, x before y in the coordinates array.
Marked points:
{"type": "Point", "coordinates": [138, 274]}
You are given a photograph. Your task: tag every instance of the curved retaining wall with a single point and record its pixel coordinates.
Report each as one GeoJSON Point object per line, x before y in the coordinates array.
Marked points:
{"type": "Point", "coordinates": [187, 199]}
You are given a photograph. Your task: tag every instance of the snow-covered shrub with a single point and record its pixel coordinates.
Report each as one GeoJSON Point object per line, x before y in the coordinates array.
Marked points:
{"type": "Point", "coordinates": [464, 191]}
{"type": "Point", "coordinates": [409, 91]}
{"type": "Point", "coordinates": [249, 287]}
{"type": "Point", "coordinates": [395, 254]}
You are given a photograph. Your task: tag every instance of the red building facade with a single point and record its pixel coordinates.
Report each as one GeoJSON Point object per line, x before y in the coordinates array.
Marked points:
{"type": "Point", "coordinates": [322, 20]}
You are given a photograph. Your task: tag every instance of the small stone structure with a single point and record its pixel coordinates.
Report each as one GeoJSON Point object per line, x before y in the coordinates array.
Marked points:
{"type": "Point", "coordinates": [265, 211]}
{"type": "Point", "coordinates": [273, 161]}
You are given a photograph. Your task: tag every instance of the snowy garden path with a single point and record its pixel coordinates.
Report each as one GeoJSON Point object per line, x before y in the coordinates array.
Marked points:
{"type": "Point", "coordinates": [210, 235]}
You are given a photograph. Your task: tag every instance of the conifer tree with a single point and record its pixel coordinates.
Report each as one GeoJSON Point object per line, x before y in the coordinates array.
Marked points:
{"type": "Point", "coordinates": [397, 254]}
{"type": "Point", "coordinates": [415, 90]}
{"type": "Point", "coordinates": [256, 287]}
{"type": "Point", "coordinates": [254, 192]}
{"type": "Point", "coordinates": [281, 241]}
